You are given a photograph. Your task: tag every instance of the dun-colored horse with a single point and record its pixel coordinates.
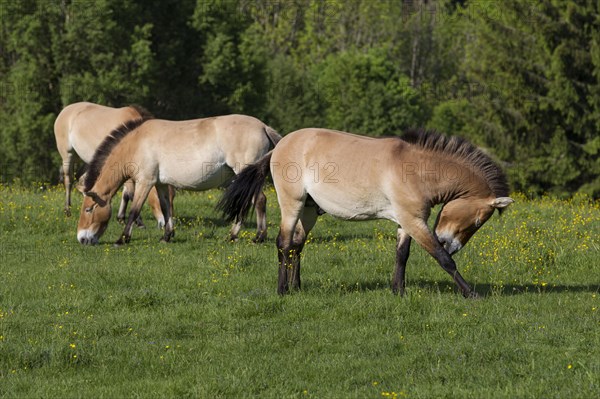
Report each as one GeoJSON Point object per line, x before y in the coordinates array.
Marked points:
{"type": "Point", "coordinates": [79, 129]}
{"type": "Point", "coordinates": [192, 155]}
{"type": "Point", "coordinates": [358, 178]}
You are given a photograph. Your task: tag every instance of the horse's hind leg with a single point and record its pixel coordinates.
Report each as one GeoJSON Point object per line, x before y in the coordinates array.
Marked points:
{"type": "Point", "coordinates": [290, 242]}
{"type": "Point", "coordinates": [285, 238]}
{"type": "Point", "coordinates": [235, 230]}
{"type": "Point", "coordinates": [154, 203]}
{"type": "Point", "coordinates": [402, 251]}
{"type": "Point", "coordinates": [67, 170]}
{"type": "Point", "coordinates": [260, 204]}
{"type": "Point", "coordinates": [303, 227]}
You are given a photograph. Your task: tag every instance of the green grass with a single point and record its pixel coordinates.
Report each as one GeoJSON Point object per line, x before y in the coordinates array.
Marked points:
{"type": "Point", "coordinates": [200, 317]}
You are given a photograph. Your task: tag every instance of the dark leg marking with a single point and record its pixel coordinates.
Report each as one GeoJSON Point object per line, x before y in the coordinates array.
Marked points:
{"type": "Point", "coordinates": [402, 252]}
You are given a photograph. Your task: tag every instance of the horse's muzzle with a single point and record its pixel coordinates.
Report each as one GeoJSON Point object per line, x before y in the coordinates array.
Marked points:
{"type": "Point", "coordinates": [450, 243]}
{"type": "Point", "coordinates": [86, 237]}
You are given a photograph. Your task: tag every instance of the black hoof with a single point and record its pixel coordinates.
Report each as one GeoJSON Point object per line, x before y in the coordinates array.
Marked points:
{"type": "Point", "coordinates": [259, 239]}
{"type": "Point", "coordinates": [471, 295]}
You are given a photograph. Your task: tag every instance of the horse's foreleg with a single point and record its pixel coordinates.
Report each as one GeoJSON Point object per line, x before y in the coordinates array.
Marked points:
{"type": "Point", "coordinates": [260, 204]}
{"type": "Point", "coordinates": [424, 237]}
{"type": "Point", "coordinates": [128, 193]}
{"type": "Point", "coordinates": [402, 251]}
{"type": "Point", "coordinates": [164, 198]}
{"type": "Point", "coordinates": [448, 264]}
{"type": "Point", "coordinates": [141, 192]}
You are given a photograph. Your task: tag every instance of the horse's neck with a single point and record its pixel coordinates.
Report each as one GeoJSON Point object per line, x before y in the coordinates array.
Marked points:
{"type": "Point", "coordinates": [117, 168]}
{"type": "Point", "coordinates": [447, 179]}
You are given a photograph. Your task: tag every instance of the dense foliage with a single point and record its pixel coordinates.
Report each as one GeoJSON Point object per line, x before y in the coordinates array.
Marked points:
{"type": "Point", "coordinates": [517, 77]}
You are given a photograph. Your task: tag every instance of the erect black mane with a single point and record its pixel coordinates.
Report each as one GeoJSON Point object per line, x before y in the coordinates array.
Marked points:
{"type": "Point", "coordinates": [105, 148]}
{"type": "Point", "coordinates": [462, 149]}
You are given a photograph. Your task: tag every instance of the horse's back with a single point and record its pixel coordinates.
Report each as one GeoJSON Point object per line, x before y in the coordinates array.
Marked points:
{"type": "Point", "coordinates": [346, 174]}
{"type": "Point", "coordinates": [199, 153]}
{"type": "Point", "coordinates": [318, 145]}
{"type": "Point", "coordinates": [241, 138]}
{"type": "Point", "coordinates": [83, 125]}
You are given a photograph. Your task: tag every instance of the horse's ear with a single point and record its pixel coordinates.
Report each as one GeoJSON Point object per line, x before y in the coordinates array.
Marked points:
{"type": "Point", "coordinates": [97, 199]}
{"type": "Point", "coordinates": [502, 202]}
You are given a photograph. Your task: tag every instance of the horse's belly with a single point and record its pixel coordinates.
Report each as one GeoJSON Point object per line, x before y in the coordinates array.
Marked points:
{"type": "Point", "coordinates": [354, 208]}
{"type": "Point", "coordinates": [197, 177]}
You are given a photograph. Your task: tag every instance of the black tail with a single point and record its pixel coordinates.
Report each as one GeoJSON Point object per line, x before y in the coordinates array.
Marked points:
{"type": "Point", "coordinates": [237, 199]}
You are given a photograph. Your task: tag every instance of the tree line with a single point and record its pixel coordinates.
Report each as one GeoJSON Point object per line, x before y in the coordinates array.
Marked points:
{"type": "Point", "coordinates": [519, 78]}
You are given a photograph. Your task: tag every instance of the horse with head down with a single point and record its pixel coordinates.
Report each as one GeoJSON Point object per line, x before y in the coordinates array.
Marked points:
{"type": "Point", "coordinates": [79, 129]}
{"type": "Point", "coordinates": [358, 178]}
{"type": "Point", "coordinates": [195, 154]}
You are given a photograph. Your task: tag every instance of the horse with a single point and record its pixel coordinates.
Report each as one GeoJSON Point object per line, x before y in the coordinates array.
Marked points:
{"type": "Point", "coordinates": [354, 177]}
{"type": "Point", "coordinates": [194, 154]}
{"type": "Point", "coordinates": [79, 129]}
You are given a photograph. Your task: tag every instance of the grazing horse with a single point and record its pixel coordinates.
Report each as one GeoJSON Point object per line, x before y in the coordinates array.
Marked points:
{"type": "Point", "coordinates": [79, 129]}
{"type": "Point", "coordinates": [358, 178]}
{"type": "Point", "coordinates": [192, 155]}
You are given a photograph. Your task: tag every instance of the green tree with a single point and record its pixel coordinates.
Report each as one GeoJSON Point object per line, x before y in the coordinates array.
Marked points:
{"type": "Point", "coordinates": [538, 105]}
{"type": "Point", "coordinates": [231, 76]}
{"type": "Point", "coordinates": [29, 86]}
{"type": "Point", "coordinates": [366, 93]}
{"type": "Point", "coordinates": [106, 51]}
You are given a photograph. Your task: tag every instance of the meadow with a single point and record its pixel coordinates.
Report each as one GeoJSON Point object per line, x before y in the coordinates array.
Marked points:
{"type": "Point", "coordinates": [200, 317]}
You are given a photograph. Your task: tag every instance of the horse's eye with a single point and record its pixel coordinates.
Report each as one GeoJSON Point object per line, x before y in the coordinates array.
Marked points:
{"type": "Point", "coordinates": [90, 209]}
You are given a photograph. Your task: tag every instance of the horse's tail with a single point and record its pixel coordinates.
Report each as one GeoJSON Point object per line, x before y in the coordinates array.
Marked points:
{"type": "Point", "coordinates": [272, 135]}
{"type": "Point", "coordinates": [238, 197]}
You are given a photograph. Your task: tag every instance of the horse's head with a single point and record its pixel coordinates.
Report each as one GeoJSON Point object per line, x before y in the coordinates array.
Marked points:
{"type": "Point", "coordinates": [459, 219]}
{"type": "Point", "coordinates": [93, 218]}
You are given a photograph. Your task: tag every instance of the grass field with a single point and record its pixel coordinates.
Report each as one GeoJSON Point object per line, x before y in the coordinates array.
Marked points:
{"type": "Point", "coordinates": [200, 317]}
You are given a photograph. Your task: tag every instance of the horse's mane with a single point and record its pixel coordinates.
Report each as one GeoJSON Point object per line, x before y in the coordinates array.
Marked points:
{"type": "Point", "coordinates": [144, 113]}
{"type": "Point", "coordinates": [105, 148]}
{"type": "Point", "coordinates": [462, 149]}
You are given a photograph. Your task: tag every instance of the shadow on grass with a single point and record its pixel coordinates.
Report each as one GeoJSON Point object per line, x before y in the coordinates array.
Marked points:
{"type": "Point", "coordinates": [518, 289]}
{"type": "Point", "coordinates": [328, 239]}
{"type": "Point", "coordinates": [484, 290]}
